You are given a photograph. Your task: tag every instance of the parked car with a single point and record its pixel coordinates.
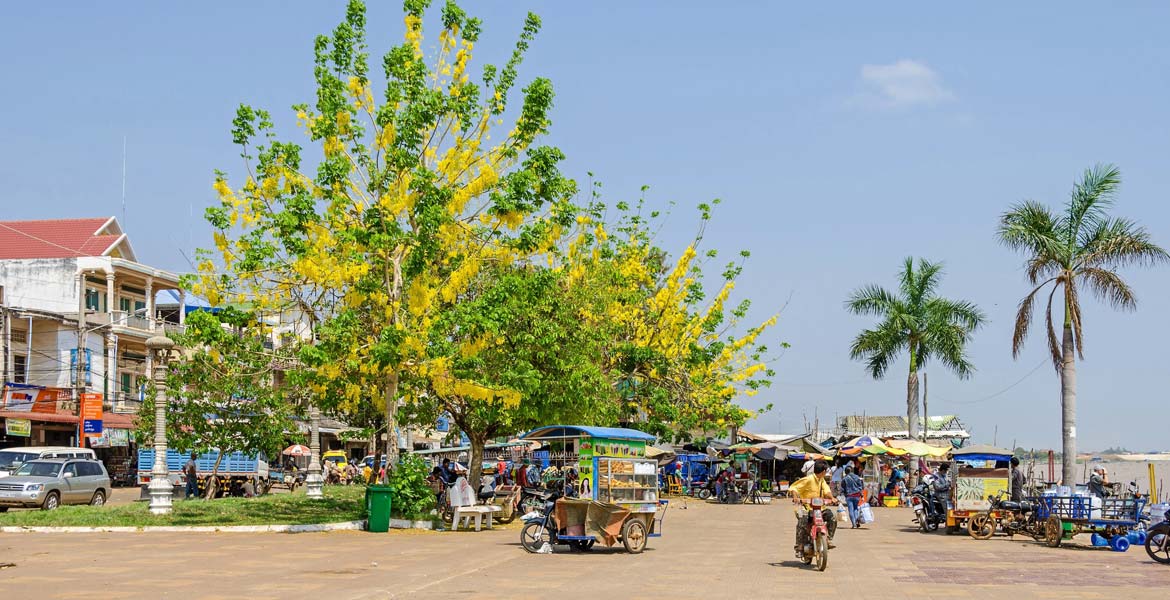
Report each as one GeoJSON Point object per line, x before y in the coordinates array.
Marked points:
{"type": "Point", "coordinates": [337, 457]}
{"type": "Point", "coordinates": [51, 482]}
{"type": "Point", "coordinates": [12, 458]}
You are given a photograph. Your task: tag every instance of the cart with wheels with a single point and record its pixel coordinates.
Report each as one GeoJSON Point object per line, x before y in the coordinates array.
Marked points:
{"type": "Point", "coordinates": [606, 465]}
{"type": "Point", "coordinates": [980, 473]}
{"type": "Point", "coordinates": [1114, 521]}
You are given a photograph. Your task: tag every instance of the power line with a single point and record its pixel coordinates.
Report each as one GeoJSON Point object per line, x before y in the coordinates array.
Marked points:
{"type": "Point", "coordinates": [1004, 390]}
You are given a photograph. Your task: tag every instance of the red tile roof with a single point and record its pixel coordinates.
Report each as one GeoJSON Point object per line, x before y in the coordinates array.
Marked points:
{"type": "Point", "coordinates": [57, 238]}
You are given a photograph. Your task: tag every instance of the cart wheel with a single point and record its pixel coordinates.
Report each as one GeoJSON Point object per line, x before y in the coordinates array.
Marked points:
{"type": "Point", "coordinates": [581, 545]}
{"type": "Point", "coordinates": [507, 515]}
{"type": "Point", "coordinates": [981, 526]}
{"type": "Point", "coordinates": [634, 536]}
{"type": "Point", "coordinates": [1053, 531]}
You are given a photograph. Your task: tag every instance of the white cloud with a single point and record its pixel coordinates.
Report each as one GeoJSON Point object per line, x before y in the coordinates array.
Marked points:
{"type": "Point", "coordinates": [902, 84]}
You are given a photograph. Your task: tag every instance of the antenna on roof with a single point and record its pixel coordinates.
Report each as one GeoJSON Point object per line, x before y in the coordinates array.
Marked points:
{"type": "Point", "coordinates": [124, 226]}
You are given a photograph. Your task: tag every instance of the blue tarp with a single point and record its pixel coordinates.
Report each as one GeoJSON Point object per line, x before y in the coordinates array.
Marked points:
{"type": "Point", "coordinates": [565, 431]}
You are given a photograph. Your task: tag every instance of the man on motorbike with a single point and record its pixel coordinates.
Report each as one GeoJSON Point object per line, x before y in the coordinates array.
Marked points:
{"type": "Point", "coordinates": [804, 490]}
{"type": "Point", "coordinates": [942, 488]}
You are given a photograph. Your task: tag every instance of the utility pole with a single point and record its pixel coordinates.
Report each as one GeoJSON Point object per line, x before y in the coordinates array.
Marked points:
{"type": "Point", "coordinates": [79, 368]}
{"type": "Point", "coordinates": [925, 411]}
{"type": "Point", "coordinates": [5, 338]}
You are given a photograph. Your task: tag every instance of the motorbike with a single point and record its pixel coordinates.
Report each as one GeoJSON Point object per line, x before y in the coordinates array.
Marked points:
{"type": "Point", "coordinates": [540, 529]}
{"type": "Point", "coordinates": [1016, 518]}
{"type": "Point", "coordinates": [1158, 541]}
{"type": "Point", "coordinates": [814, 541]}
{"type": "Point", "coordinates": [927, 511]}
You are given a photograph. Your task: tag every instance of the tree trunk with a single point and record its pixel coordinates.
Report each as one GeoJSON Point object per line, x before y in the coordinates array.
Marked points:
{"type": "Point", "coordinates": [912, 410]}
{"type": "Point", "coordinates": [391, 423]}
{"type": "Point", "coordinates": [212, 488]}
{"type": "Point", "coordinates": [475, 461]}
{"type": "Point", "coordinates": [1068, 408]}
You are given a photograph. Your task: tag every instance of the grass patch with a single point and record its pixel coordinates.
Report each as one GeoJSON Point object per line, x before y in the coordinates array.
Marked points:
{"type": "Point", "coordinates": [341, 503]}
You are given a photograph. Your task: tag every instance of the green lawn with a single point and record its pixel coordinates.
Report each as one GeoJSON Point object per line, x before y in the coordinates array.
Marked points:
{"type": "Point", "coordinates": [341, 503]}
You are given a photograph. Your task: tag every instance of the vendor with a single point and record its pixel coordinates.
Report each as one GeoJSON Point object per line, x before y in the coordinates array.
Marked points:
{"type": "Point", "coordinates": [1098, 480]}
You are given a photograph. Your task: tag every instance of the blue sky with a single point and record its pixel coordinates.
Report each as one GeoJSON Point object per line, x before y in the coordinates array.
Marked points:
{"type": "Point", "coordinates": [840, 138]}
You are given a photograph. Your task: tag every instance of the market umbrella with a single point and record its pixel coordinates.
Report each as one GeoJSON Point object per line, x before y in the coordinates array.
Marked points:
{"type": "Point", "coordinates": [297, 450]}
{"type": "Point", "coordinates": [917, 448]}
{"type": "Point", "coordinates": [662, 455]}
{"type": "Point", "coordinates": [773, 451]}
{"type": "Point", "coordinates": [866, 444]}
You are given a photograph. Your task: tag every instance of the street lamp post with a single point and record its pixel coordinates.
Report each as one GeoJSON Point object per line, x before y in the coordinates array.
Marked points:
{"type": "Point", "coordinates": [313, 481]}
{"type": "Point", "coordinates": [161, 488]}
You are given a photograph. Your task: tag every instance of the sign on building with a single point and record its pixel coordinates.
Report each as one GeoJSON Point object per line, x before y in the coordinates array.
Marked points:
{"type": "Point", "coordinates": [91, 414]}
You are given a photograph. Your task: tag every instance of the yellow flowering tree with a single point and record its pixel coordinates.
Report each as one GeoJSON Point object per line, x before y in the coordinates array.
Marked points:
{"type": "Point", "coordinates": [409, 200]}
{"type": "Point", "coordinates": [678, 358]}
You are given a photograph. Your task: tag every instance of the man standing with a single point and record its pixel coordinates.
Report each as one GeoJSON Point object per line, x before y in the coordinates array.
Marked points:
{"type": "Point", "coordinates": [1018, 481]}
{"type": "Point", "coordinates": [853, 486]}
{"type": "Point", "coordinates": [191, 472]}
{"type": "Point", "coordinates": [1098, 480]}
{"type": "Point", "coordinates": [803, 491]}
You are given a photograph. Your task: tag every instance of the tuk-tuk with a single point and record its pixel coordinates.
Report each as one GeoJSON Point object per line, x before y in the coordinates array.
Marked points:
{"type": "Point", "coordinates": [980, 472]}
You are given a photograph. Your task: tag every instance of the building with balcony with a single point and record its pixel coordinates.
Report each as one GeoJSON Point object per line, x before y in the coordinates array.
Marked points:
{"type": "Point", "coordinates": [76, 309]}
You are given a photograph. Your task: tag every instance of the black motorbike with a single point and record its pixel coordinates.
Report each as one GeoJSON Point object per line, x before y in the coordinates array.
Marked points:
{"type": "Point", "coordinates": [929, 509]}
{"type": "Point", "coordinates": [1016, 518]}
{"type": "Point", "coordinates": [1158, 541]}
{"type": "Point", "coordinates": [540, 528]}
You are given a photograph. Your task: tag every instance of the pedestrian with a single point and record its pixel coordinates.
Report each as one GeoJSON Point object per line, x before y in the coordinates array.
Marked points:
{"type": "Point", "coordinates": [1098, 480]}
{"type": "Point", "coordinates": [853, 486]}
{"type": "Point", "coordinates": [191, 472]}
{"type": "Point", "coordinates": [837, 474]}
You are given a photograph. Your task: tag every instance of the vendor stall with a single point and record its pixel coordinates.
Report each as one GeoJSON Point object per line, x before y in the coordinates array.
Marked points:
{"type": "Point", "coordinates": [980, 473]}
{"type": "Point", "coordinates": [611, 466]}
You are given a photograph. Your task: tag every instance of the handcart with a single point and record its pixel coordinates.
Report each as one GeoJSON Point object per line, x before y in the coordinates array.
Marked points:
{"type": "Point", "coordinates": [1114, 522]}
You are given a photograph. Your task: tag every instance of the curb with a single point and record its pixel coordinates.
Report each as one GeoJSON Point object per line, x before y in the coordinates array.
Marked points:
{"type": "Point", "coordinates": [310, 528]}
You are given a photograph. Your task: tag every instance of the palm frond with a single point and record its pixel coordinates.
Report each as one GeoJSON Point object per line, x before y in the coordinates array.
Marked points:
{"type": "Point", "coordinates": [959, 312]}
{"type": "Point", "coordinates": [1107, 285]}
{"type": "Point", "coordinates": [927, 280]}
{"type": "Point", "coordinates": [1032, 228]}
{"type": "Point", "coordinates": [1119, 242]}
{"type": "Point", "coordinates": [872, 300]}
{"type": "Point", "coordinates": [1091, 197]}
{"type": "Point", "coordinates": [1038, 268]}
{"type": "Point", "coordinates": [1073, 306]}
{"type": "Point", "coordinates": [878, 347]}
{"type": "Point", "coordinates": [946, 342]}
{"type": "Point", "coordinates": [1053, 345]}
{"type": "Point", "coordinates": [1024, 318]}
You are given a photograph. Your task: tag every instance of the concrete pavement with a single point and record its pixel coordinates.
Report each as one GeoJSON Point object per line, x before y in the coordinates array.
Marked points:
{"type": "Point", "coordinates": [708, 551]}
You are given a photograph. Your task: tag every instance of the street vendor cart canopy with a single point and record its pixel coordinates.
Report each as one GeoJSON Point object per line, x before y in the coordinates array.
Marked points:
{"type": "Point", "coordinates": [554, 432]}
{"type": "Point", "coordinates": [981, 452]}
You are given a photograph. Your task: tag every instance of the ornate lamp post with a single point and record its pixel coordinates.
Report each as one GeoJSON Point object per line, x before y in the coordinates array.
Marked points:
{"type": "Point", "coordinates": [160, 487]}
{"type": "Point", "coordinates": [313, 481]}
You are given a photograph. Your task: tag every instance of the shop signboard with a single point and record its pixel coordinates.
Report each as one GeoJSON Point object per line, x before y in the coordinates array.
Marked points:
{"type": "Point", "coordinates": [18, 427]}
{"type": "Point", "coordinates": [91, 414]}
{"type": "Point", "coordinates": [111, 438]}
{"type": "Point", "coordinates": [618, 448]}
{"type": "Point", "coordinates": [974, 486]}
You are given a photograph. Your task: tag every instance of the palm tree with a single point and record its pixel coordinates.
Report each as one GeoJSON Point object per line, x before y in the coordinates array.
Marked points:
{"type": "Point", "coordinates": [918, 321]}
{"type": "Point", "coordinates": [1079, 247]}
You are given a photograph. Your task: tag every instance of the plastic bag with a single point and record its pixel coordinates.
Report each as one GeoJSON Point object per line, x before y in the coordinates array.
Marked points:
{"type": "Point", "coordinates": [461, 493]}
{"type": "Point", "coordinates": [866, 513]}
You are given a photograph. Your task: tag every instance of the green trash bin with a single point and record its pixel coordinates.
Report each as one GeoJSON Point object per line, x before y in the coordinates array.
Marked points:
{"type": "Point", "coordinates": [378, 508]}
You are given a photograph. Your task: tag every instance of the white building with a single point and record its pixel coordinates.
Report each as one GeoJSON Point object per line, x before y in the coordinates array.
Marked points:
{"type": "Point", "coordinates": [50, 273]}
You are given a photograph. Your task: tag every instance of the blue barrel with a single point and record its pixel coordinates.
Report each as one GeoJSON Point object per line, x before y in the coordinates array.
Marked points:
{"type": "Point", "coordinates": [1119, 544]}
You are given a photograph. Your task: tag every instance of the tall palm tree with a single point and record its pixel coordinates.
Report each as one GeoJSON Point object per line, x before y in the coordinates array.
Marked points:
{"type": "Point", "coordinates": [915, 320]}
{"type": "Point", "coordinates": [1079, 247]}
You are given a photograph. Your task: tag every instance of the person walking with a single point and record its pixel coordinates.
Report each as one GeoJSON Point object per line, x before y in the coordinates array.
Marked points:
{"type": "Point", "coordinates": [853, 486]}
{"type": "Point", "coordinates": [191, 473]}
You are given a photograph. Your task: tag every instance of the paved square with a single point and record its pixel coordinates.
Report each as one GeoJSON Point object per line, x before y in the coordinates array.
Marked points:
{"type": "Point", "coordinates": [708, 551]}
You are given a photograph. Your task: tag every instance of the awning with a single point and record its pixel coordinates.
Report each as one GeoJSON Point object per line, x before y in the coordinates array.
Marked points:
{"type": "Point", "coordinates": [109, 420]}
{"type": "Point", "coordinates": [555, 432]}
{"type": "Point", "coordinates": [917, 448]}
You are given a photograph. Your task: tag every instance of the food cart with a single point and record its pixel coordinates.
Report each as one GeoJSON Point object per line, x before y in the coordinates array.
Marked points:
{"type": "Point", "coordinates": [980, 473]}
{"type": "Point", "coordinates": [611, 468]}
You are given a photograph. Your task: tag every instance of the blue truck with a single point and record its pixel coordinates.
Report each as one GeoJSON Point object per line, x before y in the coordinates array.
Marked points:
{"type": "Point", "coordinates": [235, 469]}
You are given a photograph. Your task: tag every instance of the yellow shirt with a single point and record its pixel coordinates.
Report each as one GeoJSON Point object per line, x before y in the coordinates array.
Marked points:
{"type": "Point", "coordinates": [810, 487]}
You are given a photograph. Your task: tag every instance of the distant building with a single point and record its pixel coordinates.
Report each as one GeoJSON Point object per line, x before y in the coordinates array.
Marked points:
{"type": "Point", "coordinates": [64, 279]}
{"type": "Point", "coordinates": [940, 428]}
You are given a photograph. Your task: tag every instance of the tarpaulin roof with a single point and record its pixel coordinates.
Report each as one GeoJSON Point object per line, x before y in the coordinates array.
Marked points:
{"type": "Point", "coordinates": [917, 448]}
{"type": "Point", "coordinates": [981, 452]}
{"type": "Point", "coordinates": [566, 431]}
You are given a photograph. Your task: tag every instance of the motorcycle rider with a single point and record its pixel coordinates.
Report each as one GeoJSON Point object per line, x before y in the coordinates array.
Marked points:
{"type": "Point", "coordinates": [814, 486]}
{"type": "Point", "coordinates": [1018, 481]}
{"type": "Point", "coordinates": [942, 488]}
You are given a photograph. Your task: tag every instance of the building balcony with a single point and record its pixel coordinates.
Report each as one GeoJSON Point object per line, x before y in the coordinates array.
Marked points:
{"type": "Point", "coordinates": [134, 323]}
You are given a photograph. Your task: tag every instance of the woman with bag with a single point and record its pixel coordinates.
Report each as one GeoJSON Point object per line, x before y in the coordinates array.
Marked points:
{"type": "Point", "coordinates": [853, 486]}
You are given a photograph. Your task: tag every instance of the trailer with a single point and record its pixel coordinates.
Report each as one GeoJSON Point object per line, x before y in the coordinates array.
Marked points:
{"type": "Point", "coordinates": [234, 470]}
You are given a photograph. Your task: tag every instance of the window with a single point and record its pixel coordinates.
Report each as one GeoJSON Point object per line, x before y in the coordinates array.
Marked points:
{"type": "Point", "coordinates": [124, 304]}
{"type": "Point", "coordinates": [94, 300]}
{"type": "Point", "coordinates": [71, 468]}
{"type": "Point", "coordinates": [20, 366]}
{"type": "Point", "coordinates": [125, 380]}
{"type": "Point", "coordinates": [90, 469]}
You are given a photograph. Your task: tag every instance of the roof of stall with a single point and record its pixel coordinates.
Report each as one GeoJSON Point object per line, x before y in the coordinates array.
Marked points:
{"type": "Point", "coordinates": [553, 432]}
